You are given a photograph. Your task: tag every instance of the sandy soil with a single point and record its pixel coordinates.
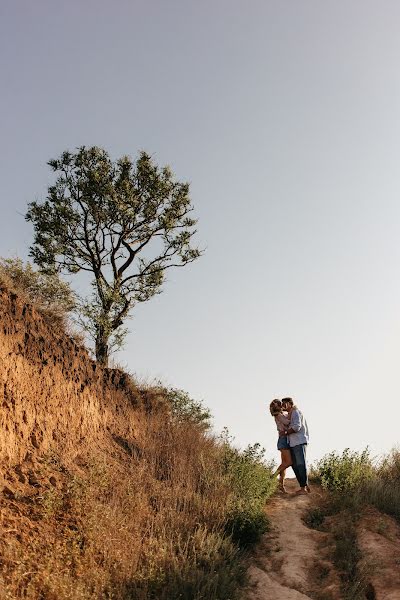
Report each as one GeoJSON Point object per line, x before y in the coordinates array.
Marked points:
{"type": "Point", "coordinates": [291, 562]}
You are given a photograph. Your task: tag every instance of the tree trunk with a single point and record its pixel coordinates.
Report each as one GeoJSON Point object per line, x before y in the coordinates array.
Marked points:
{"type": "Point", "coordinates": [102, 348]}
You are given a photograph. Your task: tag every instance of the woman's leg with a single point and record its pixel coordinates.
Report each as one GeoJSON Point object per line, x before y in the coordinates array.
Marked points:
{"type": "Point", "coordinates": [286, 458]}
{"type": "Point", "coordinates": [286, 461]}
{"type": "Point", "coordinates": [282, 475]}
{"type": "Point", "coordinates": [279, 469]}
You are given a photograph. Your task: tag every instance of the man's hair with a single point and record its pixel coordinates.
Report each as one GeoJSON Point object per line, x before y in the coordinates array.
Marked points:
{"type": "Point", "coordinates": [288, 401]}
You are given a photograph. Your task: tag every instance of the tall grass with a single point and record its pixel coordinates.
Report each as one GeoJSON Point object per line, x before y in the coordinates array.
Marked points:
{"type": "Point", "coordinates": [167, 522]}
{"type": "Point", "coordinates": [383, 490]}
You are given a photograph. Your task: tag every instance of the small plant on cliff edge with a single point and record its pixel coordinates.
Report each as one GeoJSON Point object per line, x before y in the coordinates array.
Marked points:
{"type": "Point", "coordinates": [47, 292]}
{"type": "Point", "coordinates": [123, 222]}
{"type": "Point", "coordinates": [185, 409]}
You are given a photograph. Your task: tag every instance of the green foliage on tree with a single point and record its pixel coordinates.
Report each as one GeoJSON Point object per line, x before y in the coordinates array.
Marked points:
{"type": "Point", "coordinates": [47, 292]}
{"type": "Point", "coordinates": [123, 222]}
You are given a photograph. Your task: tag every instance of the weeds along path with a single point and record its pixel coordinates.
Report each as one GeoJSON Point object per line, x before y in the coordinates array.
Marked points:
{"type": "Point", "coordinates": [292, 560]}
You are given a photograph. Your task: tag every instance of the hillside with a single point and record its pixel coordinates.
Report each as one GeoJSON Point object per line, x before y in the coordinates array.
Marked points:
{"type": "Point", "coordinates": [104, 492]}
{"type": "Point", "coordinates": [54, 396]}
{"type": "Point", "coordinates": [64, 423]}
{"type": "Point", "coordinates": [104, 495]}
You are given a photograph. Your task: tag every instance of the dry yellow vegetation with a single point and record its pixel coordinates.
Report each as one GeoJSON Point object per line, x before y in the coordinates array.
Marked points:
{"type": "Point", "coordinates": [104, 494]}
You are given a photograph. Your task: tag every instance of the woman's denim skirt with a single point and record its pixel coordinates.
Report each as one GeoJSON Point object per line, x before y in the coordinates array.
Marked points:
{"type": "Point", "coordinates": [283, 443]}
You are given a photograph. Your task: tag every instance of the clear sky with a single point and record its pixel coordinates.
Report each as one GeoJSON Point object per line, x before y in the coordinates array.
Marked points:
{"type": "Point", "coordinates": [285, 118]}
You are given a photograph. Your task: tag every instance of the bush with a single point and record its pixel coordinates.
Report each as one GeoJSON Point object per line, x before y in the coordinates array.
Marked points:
{"type": "Point", "coordinates": [251, 483]}
{"type": "Point", "coordinates": [314, 518]}
{"type": "Point", "coordinates": [185, 409]}
{"type": "Point", "coordinates": [48, 293]}
{"type": "Point", "coordinates": [345, 472]}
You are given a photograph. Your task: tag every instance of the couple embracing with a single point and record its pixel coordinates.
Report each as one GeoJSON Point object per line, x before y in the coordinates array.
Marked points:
{"type": "Point", "coordinates": [292, 442]}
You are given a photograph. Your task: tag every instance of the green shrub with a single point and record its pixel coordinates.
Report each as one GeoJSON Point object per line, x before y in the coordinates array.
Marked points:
{"type": "Point", "coordinates": [48, 293]}
{"type": "Point", "coordinates": [359, 482]}
{"type": "Point", "coordinates": [185, 409]}
{"type": "Point", "coordinates": [251, 483]}
{"type": "Point", "coordinates": [314, 518]}
{"type": "Point", "coordinates": [247, 526]}
{"type": "Point", "coordinates": [345, 472]}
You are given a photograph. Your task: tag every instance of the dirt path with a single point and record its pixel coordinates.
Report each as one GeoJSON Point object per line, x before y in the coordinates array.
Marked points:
{"type": "Point", "coordinates": [291, 562]}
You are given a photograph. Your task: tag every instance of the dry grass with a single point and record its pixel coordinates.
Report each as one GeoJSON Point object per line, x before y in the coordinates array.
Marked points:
{"type": "Point", "coordinates": [107, 493]}
{"type": "Point", "coordinates": [150, 524]}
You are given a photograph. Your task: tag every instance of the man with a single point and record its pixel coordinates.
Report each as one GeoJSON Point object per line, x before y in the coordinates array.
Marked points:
{"type": "Point", "coordinates": [297, 433]}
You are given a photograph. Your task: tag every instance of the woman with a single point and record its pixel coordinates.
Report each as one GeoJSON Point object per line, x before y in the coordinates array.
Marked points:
{"type": "Point", "coordinates": [282, 421]}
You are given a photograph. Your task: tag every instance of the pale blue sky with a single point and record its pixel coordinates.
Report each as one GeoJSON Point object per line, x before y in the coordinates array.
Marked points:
{"type": "Point", "coordinates": [285, 118]}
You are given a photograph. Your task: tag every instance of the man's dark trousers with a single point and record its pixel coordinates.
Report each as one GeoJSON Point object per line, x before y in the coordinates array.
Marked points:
{"type": "Point", "coordinates": [299, 465]}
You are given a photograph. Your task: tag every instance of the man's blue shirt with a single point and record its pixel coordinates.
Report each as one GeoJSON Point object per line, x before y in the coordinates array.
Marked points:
{"type": "Point", "coordinates": [299, 425]}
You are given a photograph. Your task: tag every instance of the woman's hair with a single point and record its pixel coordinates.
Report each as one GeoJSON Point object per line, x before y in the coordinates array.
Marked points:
{"type": "Point", "coordinates": [275, 408]}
